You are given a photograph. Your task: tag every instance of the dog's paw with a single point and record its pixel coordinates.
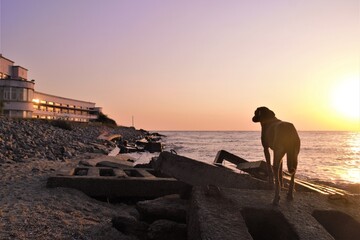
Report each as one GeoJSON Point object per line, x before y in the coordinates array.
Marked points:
{"type": "Point", "coordinates": [290, 197]}
{"type": "Point", "coordinates": [276, 201]}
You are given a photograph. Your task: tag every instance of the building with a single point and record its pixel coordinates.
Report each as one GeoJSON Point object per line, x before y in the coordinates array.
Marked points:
{"type": "Point", "coordinates": [20, 100]}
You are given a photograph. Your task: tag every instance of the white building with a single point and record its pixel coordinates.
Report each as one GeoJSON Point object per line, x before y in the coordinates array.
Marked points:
{"type": "Point", "coordinates": [20, 99]}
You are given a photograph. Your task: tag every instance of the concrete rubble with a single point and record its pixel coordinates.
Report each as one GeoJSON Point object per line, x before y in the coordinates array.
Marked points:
{"type": "Point", "coordinates": [249, 214]}
{"type": "Point", "coordinates": [224, 203]}
{"type": "Point", "coordinates": [244, 211]}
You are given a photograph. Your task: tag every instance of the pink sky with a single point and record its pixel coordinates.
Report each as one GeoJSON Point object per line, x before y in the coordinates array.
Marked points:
{"type": "Point", "coordinates": [192, 65]}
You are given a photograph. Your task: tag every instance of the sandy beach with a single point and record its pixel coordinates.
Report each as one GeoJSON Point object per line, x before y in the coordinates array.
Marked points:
{"type": "Point", "coordinates": [29, 210]}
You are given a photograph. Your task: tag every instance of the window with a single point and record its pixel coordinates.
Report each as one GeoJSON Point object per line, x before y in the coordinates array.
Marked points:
{"type": "Point", "coordinates": [25, 95]}
{"type": "Point", "coordinates": [7, 92]}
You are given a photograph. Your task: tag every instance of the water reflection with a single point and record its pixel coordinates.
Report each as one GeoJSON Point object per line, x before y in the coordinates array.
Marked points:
{"type": "Point", "coordinates": [351, 171]}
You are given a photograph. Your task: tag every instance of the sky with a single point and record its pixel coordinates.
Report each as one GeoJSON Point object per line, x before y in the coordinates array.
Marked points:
{"type": "Point", "coordinates": [193, 65]}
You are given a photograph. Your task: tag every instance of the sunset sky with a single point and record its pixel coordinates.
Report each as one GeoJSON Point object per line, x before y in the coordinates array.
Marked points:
{"type": "Point", "coordinates": [194, 65]}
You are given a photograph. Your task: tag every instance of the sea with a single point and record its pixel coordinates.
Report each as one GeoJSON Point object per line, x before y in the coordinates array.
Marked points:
{"type": "Point", "coordinates": [325, 156]}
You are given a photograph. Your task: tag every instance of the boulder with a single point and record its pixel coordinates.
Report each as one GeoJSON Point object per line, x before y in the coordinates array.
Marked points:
{"type": "Point", "coordinates": [164, 230]}
{"type": "Point", "coordinates": [170, 207]}
{"type": "Point", "coordinates": [130, 226]}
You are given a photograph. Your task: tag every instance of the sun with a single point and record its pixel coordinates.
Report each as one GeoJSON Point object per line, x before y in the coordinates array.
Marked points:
{"type": "Point", "coordinates": [346, 97]}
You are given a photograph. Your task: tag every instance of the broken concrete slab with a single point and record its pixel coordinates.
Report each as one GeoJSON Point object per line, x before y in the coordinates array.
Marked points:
{"type": "Point", "coordinates": [117, 183]}
{"type": "Point", "coordinates": [258, 169]}
{"type": "Point", "coordinates": [249, 214]}
{"type": "Point", "coordinates": [198, 173]}
{"type": "Point", "coordinates": [225, 155]}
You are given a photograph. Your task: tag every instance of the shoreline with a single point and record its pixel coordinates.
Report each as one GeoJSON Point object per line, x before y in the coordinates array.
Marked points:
{"type": "Point", "coordinates": [33, 150]}
{"type": "Point", "coordinates": [30, 210]}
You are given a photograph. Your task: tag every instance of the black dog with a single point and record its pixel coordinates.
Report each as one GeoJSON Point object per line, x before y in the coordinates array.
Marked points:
{"type": "Point", "coordinates": [282, 138]}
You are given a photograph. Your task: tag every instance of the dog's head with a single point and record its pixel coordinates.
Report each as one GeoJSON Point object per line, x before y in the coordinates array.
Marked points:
{"type": "Point", "coordinates": [262, 114]}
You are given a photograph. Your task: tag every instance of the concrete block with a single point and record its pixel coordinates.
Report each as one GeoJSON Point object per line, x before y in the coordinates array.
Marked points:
{"type": "Point", "coordinates": [118, 183]}
{"type": "Point", "coordinates": [249, 214]}
{"type": "Point", "coordinates": [225, 155]}
{"type": "Point", "coordinates": [256, 169]}
{"type": "Point", "coordinates": [198, 173]}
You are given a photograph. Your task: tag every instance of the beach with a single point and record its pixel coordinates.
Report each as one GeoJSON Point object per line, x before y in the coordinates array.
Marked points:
{"type": "Point", "coordinates": [33, 151]}
{"type": "Point", "coordinates": [30, 210]}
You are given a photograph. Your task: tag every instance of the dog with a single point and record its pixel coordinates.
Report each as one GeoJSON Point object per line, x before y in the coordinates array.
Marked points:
{"type": "Point", "coordinates": [282, 138]}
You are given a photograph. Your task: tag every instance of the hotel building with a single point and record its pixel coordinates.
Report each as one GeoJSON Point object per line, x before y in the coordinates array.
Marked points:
{"type": "Point", "coordinates": [20, 100]}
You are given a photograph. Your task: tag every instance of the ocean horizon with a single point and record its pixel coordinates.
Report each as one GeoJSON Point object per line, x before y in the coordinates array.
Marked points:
{"type": "Point", "coordinates": [325, 156]}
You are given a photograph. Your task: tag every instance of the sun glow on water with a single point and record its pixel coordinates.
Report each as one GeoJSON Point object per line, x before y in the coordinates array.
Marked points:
{"type": "Point", "coordinates": [353, 175]}
{"type": "Point", "coordinates": [351, 172]}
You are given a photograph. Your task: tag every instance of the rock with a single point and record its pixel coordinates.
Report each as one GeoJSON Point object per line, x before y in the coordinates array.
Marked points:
{"type": "Point", "coordinates": [85, 163]}
{"type": "Point", "coordinates": [24, 139]}
{"type": "Point", "coordinates": [170, 207]}
{"type": "Point", "coordinates": [147, 165]}
{"type": "Point", "coordinates": [165, 230]}
{"type": "Point", "coordinates": [130, 226]}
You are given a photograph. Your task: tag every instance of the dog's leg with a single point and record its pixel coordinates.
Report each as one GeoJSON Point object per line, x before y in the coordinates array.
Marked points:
{"type": "Point", "coordinates": [281, 175]}
{"type": "Point", "coordinates": [290, 195]}
{"type": "Point", "coordinates": [292, 165]}
{"type": "Point", "coordinates": [278, 155]}
{"type": "Point", "coordinates": [269, 167]}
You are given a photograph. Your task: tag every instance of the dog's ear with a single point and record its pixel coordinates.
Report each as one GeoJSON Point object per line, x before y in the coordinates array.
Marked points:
{"type": "Point", "coordinates": [267, 114]}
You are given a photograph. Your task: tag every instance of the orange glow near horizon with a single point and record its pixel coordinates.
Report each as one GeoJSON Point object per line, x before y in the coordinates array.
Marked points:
{"type": "Point", "coordinates": [345, 98]}
{"type": "Point", "coordinates": [199, 65]}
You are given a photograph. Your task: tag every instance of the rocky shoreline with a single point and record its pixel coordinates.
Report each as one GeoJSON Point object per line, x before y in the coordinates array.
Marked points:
{"type": "Point", "coordinates": [25, 140]}
{"type": "Point", "coordinates": [33, 150]}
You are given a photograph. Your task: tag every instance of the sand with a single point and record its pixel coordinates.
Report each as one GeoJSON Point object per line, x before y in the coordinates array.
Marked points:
{"type": "Point", "coordinates": [29, 210]}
